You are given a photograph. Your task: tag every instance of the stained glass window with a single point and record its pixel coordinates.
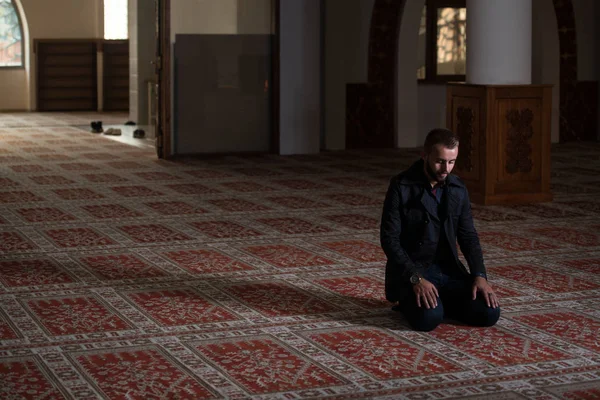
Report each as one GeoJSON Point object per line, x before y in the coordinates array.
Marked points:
{"type": "Point", "coordinates": [11, 36]}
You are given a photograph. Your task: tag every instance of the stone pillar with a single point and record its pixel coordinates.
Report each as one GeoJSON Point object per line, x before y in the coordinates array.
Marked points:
{"type": "Point", "coordinates": [300, 77]}
{"type": "Point", "coordinates": [499, 42]}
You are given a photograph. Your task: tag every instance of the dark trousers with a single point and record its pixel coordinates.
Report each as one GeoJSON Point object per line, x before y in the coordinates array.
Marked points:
{"type": "Point", "coordinates": [455, 301]}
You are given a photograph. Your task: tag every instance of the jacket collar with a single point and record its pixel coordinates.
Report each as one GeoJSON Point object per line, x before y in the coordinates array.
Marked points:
{"type": "Point", "coordinates": [415, 175]}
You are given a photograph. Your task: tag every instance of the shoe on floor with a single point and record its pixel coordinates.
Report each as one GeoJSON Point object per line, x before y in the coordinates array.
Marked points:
{"type": "Point", "coordinates": [112, 132]}
{"type": "Point", "coordinates": [139, 133]}
{"type": "Point", "coordinates": [96, 126]}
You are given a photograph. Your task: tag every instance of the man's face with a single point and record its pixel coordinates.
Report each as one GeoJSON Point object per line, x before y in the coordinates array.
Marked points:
{"type": "Point", "coordinates": [440, 162]}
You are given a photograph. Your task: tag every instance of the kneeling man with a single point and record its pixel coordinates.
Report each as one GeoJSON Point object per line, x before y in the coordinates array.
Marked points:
{"type": "Point", "coordinates": [426, 210]}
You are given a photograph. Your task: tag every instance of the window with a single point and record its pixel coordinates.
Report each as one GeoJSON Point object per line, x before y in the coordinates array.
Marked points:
{"type": "Point", "coordinates": [11, 36]}
{"type": "Point", "coordinates": [442, 48]}
{"type": "Point", "coordinates": [115, 20]}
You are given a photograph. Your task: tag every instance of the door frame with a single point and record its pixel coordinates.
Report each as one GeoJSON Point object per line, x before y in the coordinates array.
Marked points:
{"type": "Point", "coordinates": [275, 77]}
{"type": "Point", "coordinates": [163, 71]}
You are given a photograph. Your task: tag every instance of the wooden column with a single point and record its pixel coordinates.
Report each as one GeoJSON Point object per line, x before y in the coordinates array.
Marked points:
{"type": "Point", "coordinates": [504, 130]}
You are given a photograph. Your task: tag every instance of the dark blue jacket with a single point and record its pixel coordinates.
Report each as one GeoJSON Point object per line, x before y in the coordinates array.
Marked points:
{"type": "Point", "coordinates": [411, 228]}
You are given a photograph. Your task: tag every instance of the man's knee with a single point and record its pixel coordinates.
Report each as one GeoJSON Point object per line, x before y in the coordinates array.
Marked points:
{"type": "Point", "coordinates": [428, 319]}
{"type": "Point", "coordinates": [488, 317]}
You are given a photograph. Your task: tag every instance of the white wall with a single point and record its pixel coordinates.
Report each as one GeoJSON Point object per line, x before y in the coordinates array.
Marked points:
{"type": "Point", "coordinates": [76, 19]}
{"type": "Point", "coordinates": [255, 17]}
{"type": "Point", "coordinates": [300, 77]}
{"type": "Point", "coordinates": [203, 16]}
{"type": "Point", "coordinates": [431, 106]}
{"type": "Point", "coordinates": [347, 24]}
{"type": "Point", "coordinates": [220, 17]}
{"type": "Point", "coordinates": [14, 86]}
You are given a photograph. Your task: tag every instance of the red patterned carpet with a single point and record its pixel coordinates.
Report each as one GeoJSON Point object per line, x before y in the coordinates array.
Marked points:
{"type": "Point", "coordinates": [261, 277]}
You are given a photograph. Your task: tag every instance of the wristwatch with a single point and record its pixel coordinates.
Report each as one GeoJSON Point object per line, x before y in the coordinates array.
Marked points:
{"type": "Point", "coordinates": [415, 278]}
{"type": "Point", "coordinates": [480, 274]}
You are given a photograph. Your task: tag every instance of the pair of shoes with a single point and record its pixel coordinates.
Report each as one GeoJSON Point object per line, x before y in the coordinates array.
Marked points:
{"type": "Point", "coordinates": [112, 132]}
{"type": "Point", "coordinates": [139, 133]}
{"type": "Point", "coordinates": [96, 126]}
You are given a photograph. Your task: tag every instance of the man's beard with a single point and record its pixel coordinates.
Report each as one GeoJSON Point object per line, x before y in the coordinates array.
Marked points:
{"type": "Point", "coordinates": [431, 174]}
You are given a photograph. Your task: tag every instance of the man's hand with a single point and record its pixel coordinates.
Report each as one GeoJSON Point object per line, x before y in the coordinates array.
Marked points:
{"type": "Point", "coordinates": [481, 285]}
{"type": "Point", "coordinates": [426, 293]}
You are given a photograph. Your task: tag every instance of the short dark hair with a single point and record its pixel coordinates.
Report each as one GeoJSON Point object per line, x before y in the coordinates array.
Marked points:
{"type": "Point", "coordinates": [440, 136]}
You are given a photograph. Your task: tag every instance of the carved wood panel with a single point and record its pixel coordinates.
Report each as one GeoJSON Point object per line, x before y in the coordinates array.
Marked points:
{"type": "Point", "coordinates": [465, 116]}
{"type": "Point", "coordinates": [518, 141]}
{"type": "Point", "coordinates": [519, 131]}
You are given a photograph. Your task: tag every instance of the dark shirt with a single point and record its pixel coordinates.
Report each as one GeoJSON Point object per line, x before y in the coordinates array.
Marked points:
{"type": "Point", "coordinates": [438, 192]}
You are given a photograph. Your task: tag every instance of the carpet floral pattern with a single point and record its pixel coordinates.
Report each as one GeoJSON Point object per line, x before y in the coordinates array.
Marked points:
{"type": "Point", "coordinates": [261, 277]}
